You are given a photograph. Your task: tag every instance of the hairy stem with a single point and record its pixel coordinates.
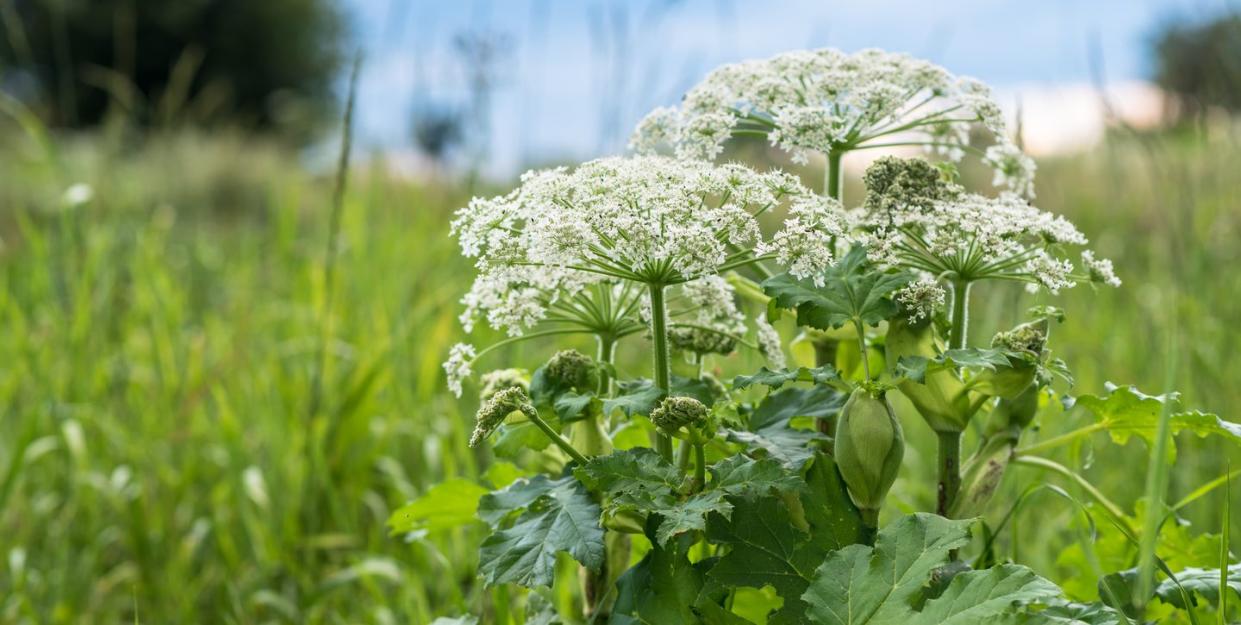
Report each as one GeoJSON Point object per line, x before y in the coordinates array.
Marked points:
{"type": "Point", "coordinates": [833, 175]}
{"type": "Point", "coordinates": [960, 314]}
{"type": "Point", "coordinates": [949, 471]}
{"type": "Point", "coordinates": [700, 466]}
{"type": "Point", "coordinates": [870, 525]}
{"type": "Point", "coordinates": [663, 379]}
{"type": "Point", "coordinates": [555, 437]}
{"type": "Point", "coordinates": [606, 354]}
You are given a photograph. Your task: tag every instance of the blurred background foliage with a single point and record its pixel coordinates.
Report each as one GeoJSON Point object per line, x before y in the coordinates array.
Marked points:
{"type": "Point", "coordinates": [163, 319]}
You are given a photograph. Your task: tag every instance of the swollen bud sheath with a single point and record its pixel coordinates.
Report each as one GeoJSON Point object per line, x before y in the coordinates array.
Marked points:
{"type": "Point", "coordinates": [572, 369]}
{"type": "Point", "coordinates": [942, 398]}
{"type": "Point", "coordinates": [869, 448]}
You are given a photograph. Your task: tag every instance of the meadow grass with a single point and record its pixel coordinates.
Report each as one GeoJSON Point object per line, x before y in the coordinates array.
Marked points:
{"type": "Point", "coordinates": [160, 457]}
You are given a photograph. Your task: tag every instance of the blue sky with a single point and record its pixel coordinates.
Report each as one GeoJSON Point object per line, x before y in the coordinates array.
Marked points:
{"type": "Point", "coordinates": [573, 76]}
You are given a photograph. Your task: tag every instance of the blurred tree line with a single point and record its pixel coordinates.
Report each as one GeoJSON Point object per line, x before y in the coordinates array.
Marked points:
{"type": "Point", "coordinates": [1198, 64]}
{"type": "Point", "coordinates": [268, 64]}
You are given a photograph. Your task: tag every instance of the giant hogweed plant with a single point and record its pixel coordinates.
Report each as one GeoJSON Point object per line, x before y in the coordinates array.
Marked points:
{"type": "Point", "coordinates": [682, 499]}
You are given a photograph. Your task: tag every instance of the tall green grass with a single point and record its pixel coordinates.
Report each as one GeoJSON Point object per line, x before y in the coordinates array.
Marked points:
{"type": "Point", "coordinates": [159, 345]}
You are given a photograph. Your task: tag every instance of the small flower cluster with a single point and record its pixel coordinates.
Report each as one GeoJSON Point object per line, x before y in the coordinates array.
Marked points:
{"type": "Point", "coordinates": [921, 298]}
{"type": "Point", "coordinates": [821, 100]}
{"type": "Point", "coordinates": [933, 226]}
{"type": "Point", "coordinates": [711, 321]}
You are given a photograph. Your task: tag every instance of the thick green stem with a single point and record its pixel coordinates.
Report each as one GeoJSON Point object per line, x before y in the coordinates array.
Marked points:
{"type": "Point", "coordinates": [870, 525]}
{"type": "Point", "coordinates": [832, 177]}
{"type": "Point", "coordinates": [960, 314]}
{"type": "Point", "coordinates": [700, 466]}
{"type": "Point", "coordinates": [606, 354]}
{"type": "Point", "coordinates": [663, 379]}
{"type": "Point", "coordinates": [950, 442]}
{"type": "Point", "coordinates": [949, 471]}
{"type": "Point", "coordinates": [861, 344]}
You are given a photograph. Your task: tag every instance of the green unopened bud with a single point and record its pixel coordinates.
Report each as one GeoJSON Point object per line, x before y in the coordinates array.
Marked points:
{"type": "Point", "coordinates": [869, 447]}
{"type": "Point", "coordinates": [700, 341]}
{"type": "Point", "coordinates": [572, 369]}
{"type": "Point", "coordinates": [1027, 337]}
{"type": "Point", "coordinates": [500, 379]}
{"type": "Point", "coordinates": [1011, 380]}
{"type": "Point", "coordinates": [673, 413]}
{"type": "Point", "coordinates": [493, 412]}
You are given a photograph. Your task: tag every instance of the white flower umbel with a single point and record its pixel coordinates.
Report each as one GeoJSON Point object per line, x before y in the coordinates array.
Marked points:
{"type": "Point", "coordinates": [577, 247]}
{"type": "Point", "coordinates": [769, 344]}
{"type": "Point", "coordinates": [651, 220]}
{"type": "Point", "coordinates": [458, 366]}
{"type": "Point", "coordinates": [921, 298]}
{"type": "Point", "coordinates": [829, 102]}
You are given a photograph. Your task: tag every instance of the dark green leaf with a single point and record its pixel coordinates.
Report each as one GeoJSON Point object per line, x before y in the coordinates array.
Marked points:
{"type": "Point", "coordinates": [638, 477]}
{"type": "Point", "coordinates": [571, 405]}
{"type": "Point", "coordinates": [661, 589]}
{"type": "Point", "coordinates": [1202, 582]}
{"type": "Point", "coordinates": [776, 379]}
{"type": "Point", "coordinates": [564, 519]}
{"type": "Point", "coordinates": [861, 584]}
{"type": "Point", "coordinates": [984, 596]}
{"type": "Point", "coordinates": [1066, 613]}
{"type": "Point", "coordinates": [765, 548]}
{"type": "Point", "coordinates": [495, 507]}
{"type": "Point", "coordinates": [817, 401]}
{"type": "Point", "coordinates": [853, 290]}
{"type": "Point", "coordinates": [690, 515]}
{"type": "Point", "coordinates": [641, 396]}
{"type": "Point", "coordinates": [834, 521]}
{"type": "Point", "coordinates": [741, 476]}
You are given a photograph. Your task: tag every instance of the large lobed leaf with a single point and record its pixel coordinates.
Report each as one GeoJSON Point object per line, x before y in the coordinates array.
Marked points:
{"type": "Point", "coordinates": [777, 379]}
{"type": "Point", "coordinates": [562, 517]}
{"type": "Point", "coordinates": [853, 291]}
{"type": "Point", "coordinates": [639, 479]}
{"type": "Point", "coordinates": [1126, 412]}
{"type": "Point", "coordinates": [779, 541]}
{"type": "Point", "coordinates": [881, 585]}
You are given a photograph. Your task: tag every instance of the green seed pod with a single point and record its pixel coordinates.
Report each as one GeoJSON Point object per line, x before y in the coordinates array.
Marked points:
{"type": "Point", "coordinates": [941, 398]}
{"type": "Point", "coordinates": [493, 412]}
{"type": "Point", "coordinates": [869, 447]}
{"type": "Point", "coordinates": [572, 369]}
{"type": "Point", "coordinates": [673, 413]}
{"type": "Point", "coordinates": [501, 379]}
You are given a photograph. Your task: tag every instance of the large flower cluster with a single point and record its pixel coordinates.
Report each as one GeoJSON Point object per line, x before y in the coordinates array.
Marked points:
{"type": "Point", "coordinates": [645, 219]}
{"type": "Point", "coordinates": [825, 100]}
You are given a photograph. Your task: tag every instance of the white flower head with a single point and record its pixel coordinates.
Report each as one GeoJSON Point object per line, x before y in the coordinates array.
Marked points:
{"type": "Point", "coordinates": [647, 219]}
{"type": "Point", "coordinates": [1099, 269]}
{"type": "Point", "coordinates": [769, 343]}
{"type": "Point", "coordinates": [815, 101]}
{"type": "Point", "coordinates": [1014, 170]}
{"type": "Point", "coordinates": [921, 298]}
{"type": "Point", "coordinates": [459, 366]}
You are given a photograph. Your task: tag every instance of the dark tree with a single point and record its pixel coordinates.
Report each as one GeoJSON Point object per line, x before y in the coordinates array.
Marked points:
{"type": "Point", "coordinates": [1199, 64]}
{"type": "Point", "coordinates": [261, 62]}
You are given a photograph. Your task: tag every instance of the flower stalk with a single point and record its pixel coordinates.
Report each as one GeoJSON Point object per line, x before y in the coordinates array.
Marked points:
{"type": "Point", "coordinates": [663, 379]}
